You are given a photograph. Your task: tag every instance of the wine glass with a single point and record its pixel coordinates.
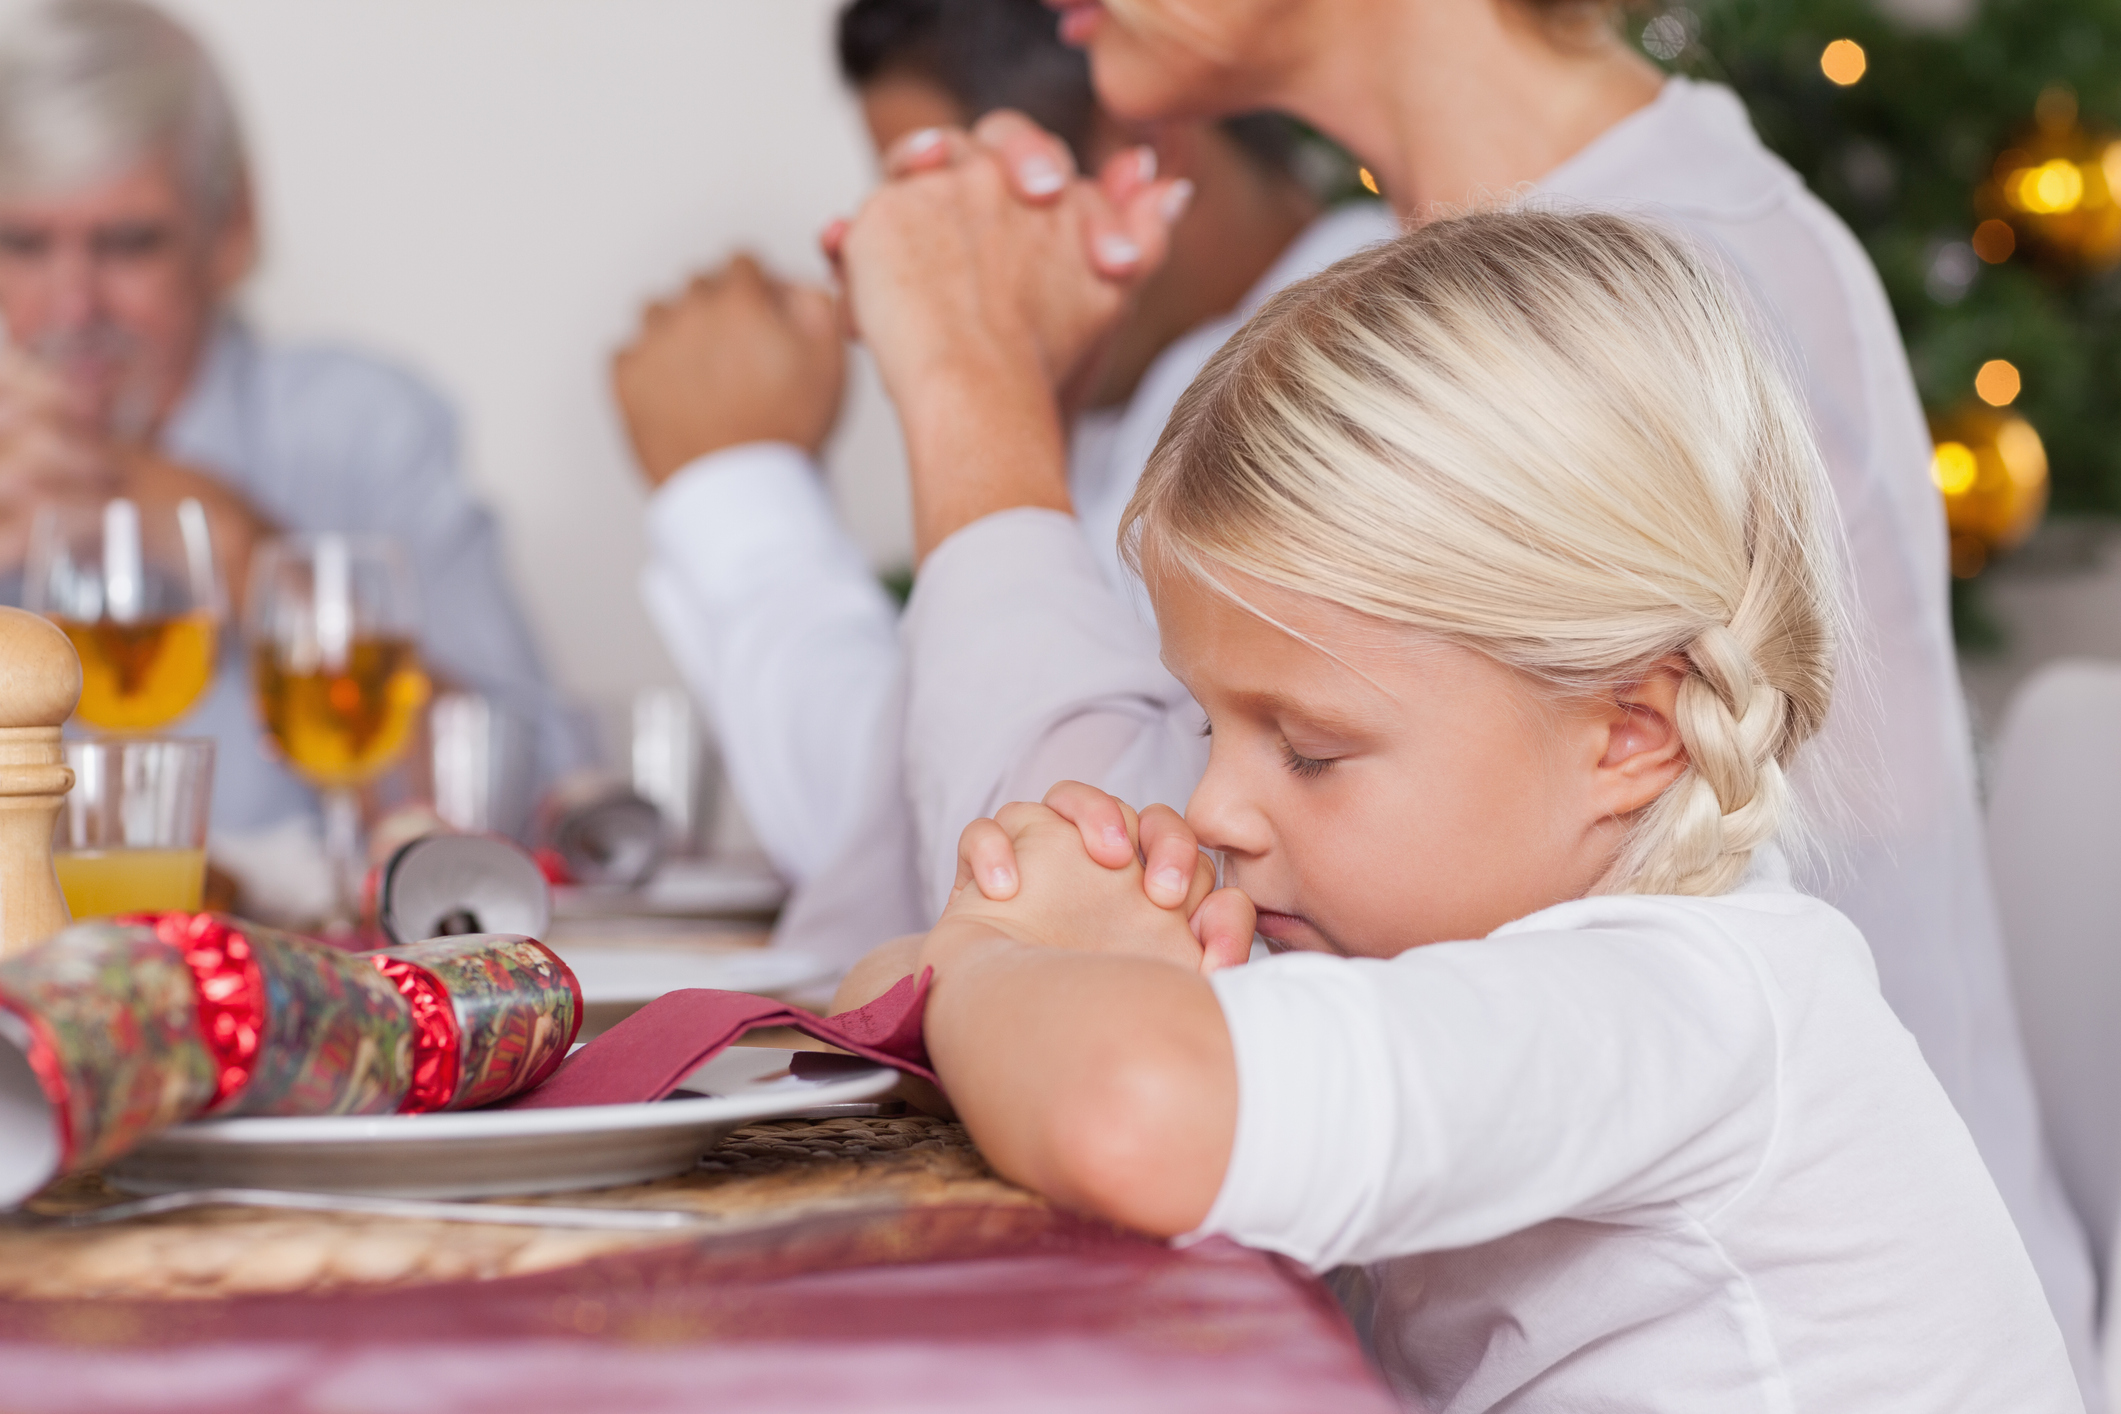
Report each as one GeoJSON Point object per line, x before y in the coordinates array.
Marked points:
{"type": "Point", "coordinates": [133, 586]}
{"type": "Point", "coordinates": [332, 621]}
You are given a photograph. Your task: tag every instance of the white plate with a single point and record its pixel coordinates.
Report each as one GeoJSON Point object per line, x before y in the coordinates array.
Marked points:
{"type": "Point", "coordinates": [485, 1153]}
{"type": "Point", "coordinates": [682, 888]}
{"type": "Point", "coordinates": [635, 977]}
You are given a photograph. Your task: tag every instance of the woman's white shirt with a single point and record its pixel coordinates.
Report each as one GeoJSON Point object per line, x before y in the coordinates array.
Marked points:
{"type": "Point", "coordinates": [1890, 781]}
{"type": "Point", "coordinates": [1658, 1153]}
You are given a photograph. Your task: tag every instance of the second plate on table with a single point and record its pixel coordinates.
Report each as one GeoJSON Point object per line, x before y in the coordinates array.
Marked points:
{"type": "Point", "coordinates": [618, 980]}
{"type": "Point", "coordinates": [619, 976]}
{"type": "Point", "coordinates": [726, 887]}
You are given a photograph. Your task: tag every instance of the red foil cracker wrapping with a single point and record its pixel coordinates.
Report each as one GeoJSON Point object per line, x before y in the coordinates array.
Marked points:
{"type": "Point", "coordinates": [493, 1015]}
{"type": "Point", "coordinates": [110, 1013]}
{"type": "Point", "coordinates": [308, 1028]}
{"type": "Point", "coordinates": [115, 1029]}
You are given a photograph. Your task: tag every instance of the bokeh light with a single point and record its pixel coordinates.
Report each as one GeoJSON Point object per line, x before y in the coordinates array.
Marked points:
{"type": "Point", "coordinates": [1997, 382]}
{"type": "Point", "coordinates": [1843, 62]}
{"type": "Point", "coordinates": [1954, 468]}
{"type": "Point", "coordinates": [1994, 241]}
{"type": "Point", "coordinates": [1991, 469]}
{"type": "Point", "coordinates": [2052, 187]}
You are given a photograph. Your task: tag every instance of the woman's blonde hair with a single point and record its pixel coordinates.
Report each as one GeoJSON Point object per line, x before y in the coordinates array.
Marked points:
{"type": "Point", "coordinates": [1553, 438]}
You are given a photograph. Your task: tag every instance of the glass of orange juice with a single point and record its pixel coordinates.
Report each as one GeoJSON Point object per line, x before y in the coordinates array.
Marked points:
{"type": "Point", "coordinates": [134, 587]}
{"type": "Point", "coordinates": [131, 837]}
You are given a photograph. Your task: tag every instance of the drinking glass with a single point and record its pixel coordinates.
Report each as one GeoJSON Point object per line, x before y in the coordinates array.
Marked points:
{"type": "Point", "coordinates": [485, 764]}
{"type": "Point", "coordinates": [332, 621]}
{"type": "Point", "coordinates": [131, 837]}
{"type": "Point", "coordinates": [671, 765]}
{"type": "Point", "coordinates": [135, 590]}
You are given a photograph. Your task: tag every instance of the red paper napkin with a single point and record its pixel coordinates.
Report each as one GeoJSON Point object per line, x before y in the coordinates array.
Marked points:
{"type": "Point", "coordinates": [647, 1055]}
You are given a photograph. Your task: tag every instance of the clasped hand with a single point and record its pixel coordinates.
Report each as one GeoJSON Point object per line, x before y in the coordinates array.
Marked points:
{"type": "Point", "coordinates": [738, 356]}
{"type": "Point", "coordinates": [987, 253]}
{"type": "Point", "coordinates": [48, 455]}
{"type": "Point", "coordinates": [1084, 873]}
{"type": "Point", "coordinates": [52, 456]}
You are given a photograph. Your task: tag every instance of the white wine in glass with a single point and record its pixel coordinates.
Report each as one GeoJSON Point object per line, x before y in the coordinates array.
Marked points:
{"type": "Point", "coordinates": [333, 621]}
{"type": "Point", "coordinates": [340, 724]}
{"type": "Point", "coordinates": [135, 590]}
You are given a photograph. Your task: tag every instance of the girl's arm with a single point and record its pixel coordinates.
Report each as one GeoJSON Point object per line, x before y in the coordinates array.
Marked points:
{"type": "Point", "coordinates": [1625, 1057]}
{"type": "Point", "coordinates": [880, 969]}
{"type": "Point", "coordinates": [1106, 1082]}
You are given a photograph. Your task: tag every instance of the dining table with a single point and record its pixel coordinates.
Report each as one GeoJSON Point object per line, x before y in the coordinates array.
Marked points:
{"type": "Point", "coordinates": [866, 1259]}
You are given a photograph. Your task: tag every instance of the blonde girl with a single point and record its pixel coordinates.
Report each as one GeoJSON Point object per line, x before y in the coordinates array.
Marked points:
{"type": "Point", "coordinates": [1495, 558]}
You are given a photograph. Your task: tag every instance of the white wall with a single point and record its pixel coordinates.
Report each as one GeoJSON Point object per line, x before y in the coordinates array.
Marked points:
{"type": "Point", "coordinates": [487, 189]}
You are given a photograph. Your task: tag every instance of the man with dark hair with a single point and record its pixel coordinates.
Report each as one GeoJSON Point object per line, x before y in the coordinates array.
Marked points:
{"type": "Point", "coordinates": [976, 55]}
{"type": "Point", "coordinates": [983, 55]}
{"type": "Point", "coordinates": [762, 597]}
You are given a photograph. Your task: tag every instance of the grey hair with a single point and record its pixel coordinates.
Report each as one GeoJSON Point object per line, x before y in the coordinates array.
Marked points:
{"type": "Point", "coordinates": [89, 87]}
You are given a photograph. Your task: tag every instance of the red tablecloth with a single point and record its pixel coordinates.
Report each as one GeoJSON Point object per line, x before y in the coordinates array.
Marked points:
{"type": "Point", "coordinates": [934, 1309]}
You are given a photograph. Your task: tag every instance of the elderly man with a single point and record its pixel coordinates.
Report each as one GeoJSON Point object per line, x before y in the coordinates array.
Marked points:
{"type": "Point", "coordinates": [125, 226]}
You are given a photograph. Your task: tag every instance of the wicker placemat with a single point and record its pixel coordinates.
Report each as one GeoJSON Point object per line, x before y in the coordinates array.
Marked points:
{"type": "Point", "coordinates": [761, 1176]}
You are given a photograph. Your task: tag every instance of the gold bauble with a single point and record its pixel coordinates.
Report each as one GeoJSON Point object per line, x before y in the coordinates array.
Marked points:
{"type": "Point", "coordinates": [1991, 468]}
{"type": "Point", "coordinates": [2058, 188]}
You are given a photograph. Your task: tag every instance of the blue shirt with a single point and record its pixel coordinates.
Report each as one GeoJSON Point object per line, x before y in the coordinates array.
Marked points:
{"type": "Point", "coordinates": [324, 439]}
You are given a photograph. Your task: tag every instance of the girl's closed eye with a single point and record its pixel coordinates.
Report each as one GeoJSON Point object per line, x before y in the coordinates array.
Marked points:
{"type": "Point", "coordinates": [1308, 767]}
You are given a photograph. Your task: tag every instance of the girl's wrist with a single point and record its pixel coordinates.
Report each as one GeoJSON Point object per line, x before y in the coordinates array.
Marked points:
{"type": "Point", "coordinates": [960, 938]}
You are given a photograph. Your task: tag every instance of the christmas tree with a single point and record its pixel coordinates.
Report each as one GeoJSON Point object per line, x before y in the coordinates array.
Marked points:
{"type": "Point", "coordinates": [1976, 157]}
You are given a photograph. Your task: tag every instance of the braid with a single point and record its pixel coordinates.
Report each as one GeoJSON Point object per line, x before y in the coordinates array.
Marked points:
{"type": "Point", "coordinates": [1757, 688]}
{"type": "Point", "coordinates": [1732, 797]}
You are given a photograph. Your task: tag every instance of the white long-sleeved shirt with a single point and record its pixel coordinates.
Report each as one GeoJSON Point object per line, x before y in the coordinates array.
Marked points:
{"type": "Point", "coordinates": [1651, 1153]}
{"type": "Point", "coordinates": [1889, 785]}
{"type": "Point", "coordinates": [783, 635]}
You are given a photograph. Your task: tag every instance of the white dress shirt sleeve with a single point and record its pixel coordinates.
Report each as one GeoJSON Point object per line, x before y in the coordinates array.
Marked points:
{"type": "Point", "coordinates": [1464, 1091]}
{"type": "Point", "coordinates": [782, 632]}
{"type": "Point", "coordinates": [1025, 667]}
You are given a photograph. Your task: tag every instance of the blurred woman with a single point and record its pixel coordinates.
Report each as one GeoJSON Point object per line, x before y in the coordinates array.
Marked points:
{"type": "Point", "coordinates": [1449, 103]}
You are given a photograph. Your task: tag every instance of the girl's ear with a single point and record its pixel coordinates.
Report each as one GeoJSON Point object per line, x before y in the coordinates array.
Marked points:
{"type": "Point", "coordinates": [1643, 752]}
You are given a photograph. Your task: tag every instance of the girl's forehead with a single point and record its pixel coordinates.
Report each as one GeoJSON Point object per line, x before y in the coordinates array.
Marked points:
{"type": "Point", "coordinates": [1231, 606]}
{"type": "Point", "coordinates": [1239, 635]}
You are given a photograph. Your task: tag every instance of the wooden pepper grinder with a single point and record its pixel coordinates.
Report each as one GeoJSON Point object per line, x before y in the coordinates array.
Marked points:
{"type": "Point", "coordinates": [40, 681]}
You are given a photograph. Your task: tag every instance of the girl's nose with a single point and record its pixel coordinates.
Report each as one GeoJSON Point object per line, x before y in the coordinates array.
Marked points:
{"type": "Point", "coordinates": [1223, 815]}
